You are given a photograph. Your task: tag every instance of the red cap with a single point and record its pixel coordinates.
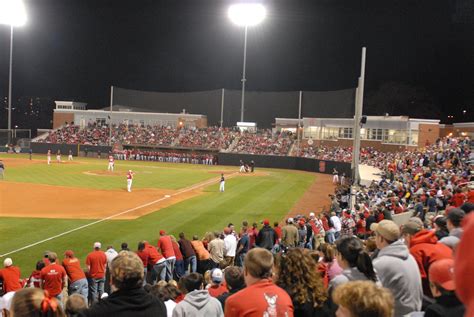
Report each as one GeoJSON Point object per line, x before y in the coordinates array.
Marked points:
{"type": "Point", "coordinates": [162, 232]}
{"type": "Point", "coordinates": [266, 222]}
{"type": "Point", "coordinates": [69, 253]}
{"type": "Point", "coordinates": [302, 221]}
{"type": "Point", "coordinates": [441, 273]}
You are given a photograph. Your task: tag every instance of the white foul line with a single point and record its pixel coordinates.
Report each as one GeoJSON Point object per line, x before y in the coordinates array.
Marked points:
{"type": "Point", "coordinates": [110, 217]}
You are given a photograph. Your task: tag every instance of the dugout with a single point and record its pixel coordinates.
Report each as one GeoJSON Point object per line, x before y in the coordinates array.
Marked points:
{"type": "Point", "coordinates": [286, 162]}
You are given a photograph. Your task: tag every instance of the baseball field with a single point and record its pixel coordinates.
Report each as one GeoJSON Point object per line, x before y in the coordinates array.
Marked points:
{"type": "Point", "coordinates": [70, 205]}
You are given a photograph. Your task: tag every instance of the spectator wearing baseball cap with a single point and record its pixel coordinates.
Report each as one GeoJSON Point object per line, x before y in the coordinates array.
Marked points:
{"type": "Point", "coordinates": [96, 262]}
{"type": "Point", "coordinates": [289, 234]}
{"type": "Point", "coordinates": [11, 276]}
{"type": "Point", "coordinates": [441, 275]}
{"type": "Point", "coordinates": [453, 222]}
{"type": "Point", "coordinates": [424, 248]}
{"type": "Point", "coordinates": [266, 237]}
{"type": "Point", "coordinates": [234, 279]}
{"type": "Point", "coordinates": [53, 277]}
{"type": "Point", "coordinates": [396, 268]}
{"type": "Point", "coordinates": [217, 288]}
{"type": "Point", "coordinates": [77, 279]}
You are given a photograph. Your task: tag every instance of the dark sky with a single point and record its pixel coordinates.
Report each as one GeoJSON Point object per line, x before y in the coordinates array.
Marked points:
{"type": "Point", "coordinates": [76, 49]}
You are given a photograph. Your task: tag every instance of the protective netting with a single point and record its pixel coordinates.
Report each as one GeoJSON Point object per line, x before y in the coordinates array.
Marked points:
{"type": "Point", "coordinates": [260, 107]}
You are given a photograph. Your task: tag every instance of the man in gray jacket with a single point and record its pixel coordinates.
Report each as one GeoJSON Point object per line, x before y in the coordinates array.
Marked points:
{"type": "Point", "coordinates": [454, 219]}
{"type": "Point", "coordinates": [396, 268]}
{"type": "Point", "coordinates": [197, 301]}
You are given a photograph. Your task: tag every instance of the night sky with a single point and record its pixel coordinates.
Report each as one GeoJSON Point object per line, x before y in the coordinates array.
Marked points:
{"type": "Point", "coordinates": [74, 50]}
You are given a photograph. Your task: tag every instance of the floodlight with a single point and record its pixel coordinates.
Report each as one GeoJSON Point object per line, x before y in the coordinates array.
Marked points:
{"type": "Point", "coordinates": [247, 14]}
{"type": "Point", "coordinates": [12, 12]}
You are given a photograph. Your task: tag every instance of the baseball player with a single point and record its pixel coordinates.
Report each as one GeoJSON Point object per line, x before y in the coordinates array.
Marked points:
{"type": "Point", "coordinates": [48, 155]}
{"type": "Point", "coordinates": [335, 176]}
{"type": "Point", "coordinates": [111, 163]}
{"type": "Point", "coordinates": [58, 156]}
{"type": "Point", "coordinates": [69, 158]}
{"type": "Point", "coordinates": [222, 184]}
{"type": "Point", "coordinates": [242, 167]}
{"type": "Point", "coordinates": [129, 180]}
{"type": "Point", "coordinates": [2, 169]}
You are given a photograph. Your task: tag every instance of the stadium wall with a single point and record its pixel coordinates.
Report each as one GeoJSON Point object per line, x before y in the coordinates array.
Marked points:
{"type": "Point", "coordinates": [286, 162]}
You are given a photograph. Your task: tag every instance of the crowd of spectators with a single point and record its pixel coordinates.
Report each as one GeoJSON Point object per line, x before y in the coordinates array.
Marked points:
{"type": "Point", "coordinates": [340, 154]}
{"type": "Point", "coordinates": [264, 142]}
{"type": "Point", "coordinates": [210, 138]}
{"type": "Point", "coordinates": [314, 265]}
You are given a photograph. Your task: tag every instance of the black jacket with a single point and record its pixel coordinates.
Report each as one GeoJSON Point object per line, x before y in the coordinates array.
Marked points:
{"type": "Point", "coordinates": [135, 302]}
{"type": "Point", "coordinates": [445, 306]}
{"type": "Point", "coordinates": [266, 238]}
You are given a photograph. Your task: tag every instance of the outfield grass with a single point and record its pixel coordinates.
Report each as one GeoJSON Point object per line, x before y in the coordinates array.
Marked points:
{"type": "Point", "coordinates": [246, 198]}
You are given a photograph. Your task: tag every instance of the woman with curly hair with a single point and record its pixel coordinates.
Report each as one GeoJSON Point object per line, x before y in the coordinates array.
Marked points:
{"type": "Point", "coordinates": [295, 272]}
{"type": "Point", "coordinates": [363, 299]}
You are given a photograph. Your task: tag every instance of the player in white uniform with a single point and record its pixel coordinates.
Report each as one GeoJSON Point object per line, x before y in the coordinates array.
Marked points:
{"type": "Point", "coordinates": [222, 185]}
{"type": "Point", "coordinates": [111, 163]}
{"type": "Point", "coordinates": [242, 167]}
{"type": "Point", "coordinates": [69, 158]}
{"type": "Point", "coordinates": [58, 156]}
{"type": "Point", "coordinates": [48, 155]}
{"type": "Point", "coordinates": [335, 176]}
{"type": "Point", "coordinates": [129, 180]}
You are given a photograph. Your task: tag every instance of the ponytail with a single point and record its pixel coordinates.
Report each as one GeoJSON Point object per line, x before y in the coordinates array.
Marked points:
{"type": "Point", "coordinates": [364, 265]}
{"type": "Point", "coordinates": [352, 250]}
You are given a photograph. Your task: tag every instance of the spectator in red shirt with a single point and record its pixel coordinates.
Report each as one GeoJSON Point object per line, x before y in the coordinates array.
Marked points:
{"type": "Point", "coordinates": [77, 278]}
{"type": "Point", "coordinates": [143, 255]}
{"type": "Point", "coordinates": [53, 277]}
{"type": "Point", "coordinates": [458, 198]}
{"type": "Point", "coordinates": [179, 264]}
{"type": "Point", "coordinates": [253, 233]}
{"type": "Point", "coordinates": [277, 229]}
{"type": "Point", "coordinates": [35, 277]}
{"type": "Point", "coordinates": [261, 296]}
{"type": "Point", "coordinates": [166, 247]}
{"type": "Point", "coordinates": [96, 262]}
{"type": "Point", "coordinates": [217, 288]}
{"type": "Point", "coordinates": [157, 262]}
{"type": "Point", "coordinates": [10, 276]}
{"type": "Point", "coordinates": [361, 226]}
{"type": "Point", "coordinates": [424, 248]}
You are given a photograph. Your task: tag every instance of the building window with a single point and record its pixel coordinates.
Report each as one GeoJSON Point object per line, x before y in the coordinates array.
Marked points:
{"type": "Point", "coordinates": [345, 133]}
{"type": "Point", "coordinates": [374, 134]}
{"type": "Point", "coordinates": [330, 133]}
{"type": "Point", "coordinates": [100, 121]}
{"type": "Point", "coordinates": [311, 132]}
{"type": "Point", "coordinates": [395, 136]}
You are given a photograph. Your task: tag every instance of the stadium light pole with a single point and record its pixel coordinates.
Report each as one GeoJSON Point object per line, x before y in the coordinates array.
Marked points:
{"type": "Point", "coordinates": [246, 14]}
{"type": "Point", "coordinates": [12, 13]}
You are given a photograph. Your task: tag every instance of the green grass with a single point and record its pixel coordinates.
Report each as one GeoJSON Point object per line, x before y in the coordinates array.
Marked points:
{"type": "Point", "coordinates": [246, 198]}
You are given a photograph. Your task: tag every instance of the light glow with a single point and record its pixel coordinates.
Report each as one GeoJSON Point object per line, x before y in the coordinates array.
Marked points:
{"type": "Point", "coordinates": [12, 12]}
{"type": "Point", "coordinates": [247, 14]}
